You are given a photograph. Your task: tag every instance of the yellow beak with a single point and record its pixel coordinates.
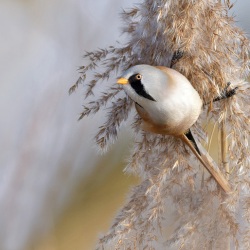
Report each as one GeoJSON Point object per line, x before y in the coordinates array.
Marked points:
{"type": "Point", "coordinates": [122, 81]}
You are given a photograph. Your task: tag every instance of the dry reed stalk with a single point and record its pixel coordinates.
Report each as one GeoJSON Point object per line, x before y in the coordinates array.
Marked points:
{"type": "Point", "coordinates": [224, 147]}
{"type": "Point", "coordinates": [224, 157]}
{"type": "Point", "coordinates": [213, 52]}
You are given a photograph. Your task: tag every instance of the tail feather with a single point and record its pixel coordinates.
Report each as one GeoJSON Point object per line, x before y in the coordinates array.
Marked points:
{"type": "Point", "coordinates": [190, 136]}
{"type": "Point", "coordinates": [206, 161]}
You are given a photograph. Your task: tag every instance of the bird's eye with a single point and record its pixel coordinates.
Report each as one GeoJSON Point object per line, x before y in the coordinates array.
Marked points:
{"type": "Point", "coordinates": [138, 77]}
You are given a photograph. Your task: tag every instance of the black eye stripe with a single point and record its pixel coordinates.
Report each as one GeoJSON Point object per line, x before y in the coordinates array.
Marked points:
{"type": "Point", "coordinates": [139, 88]}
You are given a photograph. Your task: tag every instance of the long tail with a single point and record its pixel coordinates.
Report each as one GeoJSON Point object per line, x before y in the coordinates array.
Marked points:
{"type": "Point", "coordinates": [208, 163]}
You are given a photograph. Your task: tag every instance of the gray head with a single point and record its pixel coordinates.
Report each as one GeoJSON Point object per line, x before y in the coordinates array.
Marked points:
{"type": "Point", "coordinates": [143, 83]}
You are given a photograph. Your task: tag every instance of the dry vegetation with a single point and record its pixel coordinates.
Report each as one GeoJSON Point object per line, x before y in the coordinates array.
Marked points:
{"type": "Point", "coordinates": [214, 52]}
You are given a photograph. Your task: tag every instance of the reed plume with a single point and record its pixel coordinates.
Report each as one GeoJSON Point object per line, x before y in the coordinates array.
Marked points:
{"type": "Point", "coordinates": [210, 51]}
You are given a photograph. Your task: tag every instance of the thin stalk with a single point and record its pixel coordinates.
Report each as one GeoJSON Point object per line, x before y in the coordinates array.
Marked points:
{"type": "Point", "coordinates": [224, 155]}
{"type": "Point", "coordinates": [224, 146]}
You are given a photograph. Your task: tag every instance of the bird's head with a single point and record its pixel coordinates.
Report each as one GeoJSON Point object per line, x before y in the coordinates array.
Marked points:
{"type": "Point", "coordinates": [143, 83]}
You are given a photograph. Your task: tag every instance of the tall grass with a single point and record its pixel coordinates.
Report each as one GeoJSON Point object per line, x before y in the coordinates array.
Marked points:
{"type": "Point", "coordinates": [213, 52]}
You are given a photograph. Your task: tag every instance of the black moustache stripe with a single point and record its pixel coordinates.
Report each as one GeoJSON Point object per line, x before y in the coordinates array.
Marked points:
{"type": "Point", "coordinates": [139, 88]}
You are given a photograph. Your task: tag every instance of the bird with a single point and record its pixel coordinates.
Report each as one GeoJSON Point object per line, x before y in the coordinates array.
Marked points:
{"type": "Point", "coordinates": [169, 105]}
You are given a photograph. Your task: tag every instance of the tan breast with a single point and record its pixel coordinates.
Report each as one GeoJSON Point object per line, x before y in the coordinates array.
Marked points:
{"type": "Point", "coordinates": [167, 129]}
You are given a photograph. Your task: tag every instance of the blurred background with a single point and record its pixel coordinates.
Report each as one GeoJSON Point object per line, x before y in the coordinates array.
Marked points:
{"type": "Point", "coordinates": [56, 191]}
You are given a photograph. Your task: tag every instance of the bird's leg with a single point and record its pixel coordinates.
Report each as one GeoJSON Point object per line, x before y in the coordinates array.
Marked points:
{"type": "Point", "coordinates": [176, 57]}
{"type": "Point", "coordinates": [208, 164]}
{"type": "Point", "coordinates": [225, 93]}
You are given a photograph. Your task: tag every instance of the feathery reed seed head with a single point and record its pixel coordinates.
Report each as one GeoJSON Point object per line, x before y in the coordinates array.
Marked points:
{"type": "Point", "coordinates": [210, 51]}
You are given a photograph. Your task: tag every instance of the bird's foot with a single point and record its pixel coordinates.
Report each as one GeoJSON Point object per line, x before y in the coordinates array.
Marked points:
{"type": "Point", "coordinates": [226, 93]}
{"type": "Point", "coordinates": [176, 57]}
